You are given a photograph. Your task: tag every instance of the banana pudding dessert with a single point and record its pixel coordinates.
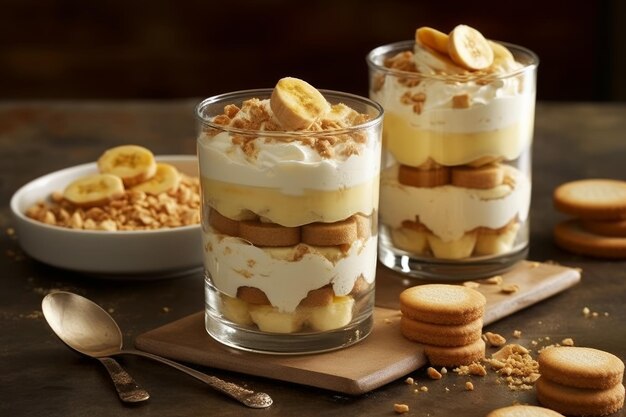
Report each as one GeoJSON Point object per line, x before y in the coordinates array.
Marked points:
{"type": "Point", "coordinates": [455, 182]}
{"type": "Point", "coordinates": [289, 181]}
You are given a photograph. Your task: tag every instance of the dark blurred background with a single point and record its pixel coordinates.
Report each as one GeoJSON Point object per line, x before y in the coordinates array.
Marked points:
{"type": "Point", "coordinates": [170, 49]}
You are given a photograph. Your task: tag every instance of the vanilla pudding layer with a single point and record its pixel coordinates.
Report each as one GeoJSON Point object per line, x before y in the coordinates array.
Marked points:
{"type": "Point", "coordinates": [450, 212]}
{"type": "Point", "coordinates": [286, 275]}
{"type": "Point", "coordinates": [237, 202]}
{"type": "Point", "coordinates": [413, 144]}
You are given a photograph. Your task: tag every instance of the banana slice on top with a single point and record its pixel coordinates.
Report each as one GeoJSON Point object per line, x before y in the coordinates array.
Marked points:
{"type": "Point", "coordinates": [167, 178]}
{"type": "Point", "coordinates": [94, 190]}
{"type": "Point", "coordinates": [133, 164]}
{"type": "Point", "coordinates": [469, 48]}
{"type": "Point", "coordinates": [433, 39]}
{"type": "Point", "coordinates": [297, 104]}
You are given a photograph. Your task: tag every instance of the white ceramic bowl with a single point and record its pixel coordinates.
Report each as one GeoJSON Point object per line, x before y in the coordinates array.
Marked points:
{"type": "Point", "coordinates": [121, 254]}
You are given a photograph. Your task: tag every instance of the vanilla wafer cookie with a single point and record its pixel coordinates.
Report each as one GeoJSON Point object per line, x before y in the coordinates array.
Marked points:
{"type": "Point", "coordinates": [595, 199]}
{"type": "Point", "coordinates": [484, 177]}
{"type": "Point", "coordinates": [364, 226]}
{"type": "Point", "coordinates": [570, 236]}
{"type": "Point", "coordinates": [520, 410]}
{"type": "Point", "coordinates": [330, 234]}
{"type": "Point", "coordinates": [610, 228]}
{"type": "Point", "coordinates": [428, 178]}
{"type": "Point", "coordinates": [579, 401]}
{"type": "Point", "coordinates": [223, 224]}
{"type": "Point", "coordinates": [440, 334]}
{"type": "Point", "coordinates": [455, 356]}
{"type": "Point", "coordinates": [442, 304]}
{"type": "Point", "coordinates": [319, 297]}
{"type": "Point", "coordinates": [268, 234]}
{"type": "Point", "coordinates": [252, 295]}
{"type": "Point", "coordinates": [581, 367]}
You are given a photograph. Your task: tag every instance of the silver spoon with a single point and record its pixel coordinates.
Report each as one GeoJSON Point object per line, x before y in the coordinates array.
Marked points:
{"type": "Point", "coordinates": [126, 387]}
{"type": "Point", "coordinates": [86, 327]}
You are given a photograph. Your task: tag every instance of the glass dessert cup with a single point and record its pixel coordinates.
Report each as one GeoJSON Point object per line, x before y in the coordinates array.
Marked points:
{"type": "Point", "coordinates": [456, 174]}
{"type": "Point", "coordinates": [289, 225]}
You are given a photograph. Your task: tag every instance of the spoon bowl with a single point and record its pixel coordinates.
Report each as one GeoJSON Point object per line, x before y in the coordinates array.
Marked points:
{"type": "Point", "coordinates": [87, 328]}
{"type": "Point", "coordinates": [77, 332]}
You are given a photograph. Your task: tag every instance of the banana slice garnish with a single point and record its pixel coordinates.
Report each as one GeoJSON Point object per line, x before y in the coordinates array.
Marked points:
{"type": "Point", "coordinates": [167, 178]}
{"type": "Point", "coordinates": [133, 164]}
{"type": "Point", "coordinates": [469, 48]}
{"type": "Point", "coordinates": [433, 39]}
{"type": "Point", "coordinates": [94, 190]}
{"type": "Point", "coordinates": [297, 104]}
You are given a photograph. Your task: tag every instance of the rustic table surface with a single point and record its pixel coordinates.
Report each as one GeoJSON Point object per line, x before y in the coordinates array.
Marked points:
{"type": "Point", "coordinates": [39, 376]}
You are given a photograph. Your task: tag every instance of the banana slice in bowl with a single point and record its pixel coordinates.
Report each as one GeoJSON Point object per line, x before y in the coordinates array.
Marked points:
{"type": "Point", "coordinates": [138, 255]}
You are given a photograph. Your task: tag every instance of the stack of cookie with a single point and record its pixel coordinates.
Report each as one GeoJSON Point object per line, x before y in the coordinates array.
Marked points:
{"type": "Point", "coordinates": [447, 319]}
{"type": "Point", "coordinates": [599, 228]}
{"type": "Point", "coordinates": [580, 381]}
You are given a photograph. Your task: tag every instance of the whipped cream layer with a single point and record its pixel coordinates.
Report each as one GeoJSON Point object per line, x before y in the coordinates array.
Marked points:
{"type": "Point", "coordinates": [233, 262]}
{"type": "Point", "coordinates": [450, 211]}
{"type": "Point", "coordinates": [499, 121]}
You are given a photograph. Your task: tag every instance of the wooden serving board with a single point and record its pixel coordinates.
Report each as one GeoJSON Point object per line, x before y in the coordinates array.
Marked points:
{"type": "Point", "coordinates": [384, 356]}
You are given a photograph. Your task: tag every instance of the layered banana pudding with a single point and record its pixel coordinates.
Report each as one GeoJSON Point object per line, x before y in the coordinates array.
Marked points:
{"type": "Point", "coordinates": [290, 195]}
{"type": "Point", "coordinates": [459, 112]}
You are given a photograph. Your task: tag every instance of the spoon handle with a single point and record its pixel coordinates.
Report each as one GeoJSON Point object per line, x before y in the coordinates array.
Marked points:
{"type": "Point", "coordinates": [127, 388]}
{"type": "Point", "coordinates": [243, 395]}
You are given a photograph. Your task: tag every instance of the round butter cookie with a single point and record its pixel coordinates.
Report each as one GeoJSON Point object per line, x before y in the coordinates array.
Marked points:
{"type": "Point", "coordinates": [570, 236]}
{"type": "Point", "coordinates": [581, 367]}
{"type": "Point", "coordinates": [596, 199]}
{"type": "Point", "coordinates": [615, 228]}
{"type": "Point", "coordinates": [440, 334]}
{"type": "Point", "coordinates": [579, 401]}
{"type": "Point", "coordinates": [524, 411]}
{"type": "Point", "coordinates": [442, 304]}
{"type": "Point", "coordinates": [455, 356]}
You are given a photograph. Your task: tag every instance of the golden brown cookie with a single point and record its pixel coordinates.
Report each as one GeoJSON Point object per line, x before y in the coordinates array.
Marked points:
{"type": "Point", "coordinates": [223, 224]}
{"type": "Point", "coordinates": [252, 295]}
{"type": "Point", "coordinates": [524, 411]}
{"type": "Point", "coordinates": [595, 199]}
{"type": "Point", "coordinates": [442, 304]}
{"type": "Point", "coordinates": [611, 228]}
{"type": "Point", "coordinates": [330, 234]}
{"type": "Point", "coordinates": [441, 334]}
{"type": "Point", "coordinates": [570, 236]}
{"type": "Point", "coordinates": [581, 367]}
{"type": "Point", "coordinates": [319, 297]}
{"type": "Point", "coordinates": [269, 234]}
{"type": "Point", "coordinates": [484, 177]}
{"type": "Point", "coordinates": [428, 178]}
{"type": "Point", "coordinates": [455, 356]}
{"type": "Point", "coordinates": [579, 401]}
{"type": "Point", "coordinates": [363, 226]}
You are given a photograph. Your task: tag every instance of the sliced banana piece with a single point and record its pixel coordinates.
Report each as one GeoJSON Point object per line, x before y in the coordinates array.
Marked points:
{"type": "Point", "coordinates": [236, 310]}
{"type": "Point", "coordinates": [332, 316]}
{"type": "Point", "coordinates": [297, 104]}
{"type": "Point", "coordinates": [501, 53]}
{"type": "Point", "coordinates": [496, 243]}
{"type": "Point", "coordinates": [133, 164]}
{"type": "Point", "coordinates": [167, 178]}
{"type": "Point", "coordinates": [432, 38]}
{"type": "Point", "coordinates": [469, 48]}
{"type": "Point", "coordinates": [94, 190]}
{"type": "Point", "coordinates": [456, 249]}
{"type": "Point", "coordinates": [269, 319]}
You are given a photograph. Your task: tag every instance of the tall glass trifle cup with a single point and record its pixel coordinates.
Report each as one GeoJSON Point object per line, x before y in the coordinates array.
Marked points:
{"type": "Point", "coordinates": [289, 222]}
{"type": "Point", "coordinates": [456, 175]}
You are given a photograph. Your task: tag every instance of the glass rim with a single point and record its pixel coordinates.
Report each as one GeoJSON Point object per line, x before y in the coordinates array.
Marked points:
{"type": "Point", "coordinates": [288, 133]}
{"type": "Point", "coordinates": [408, 45]}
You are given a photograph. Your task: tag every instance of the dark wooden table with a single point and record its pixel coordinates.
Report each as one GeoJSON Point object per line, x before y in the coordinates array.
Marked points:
{"type": "Point", "coordinates": [39, 376]}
